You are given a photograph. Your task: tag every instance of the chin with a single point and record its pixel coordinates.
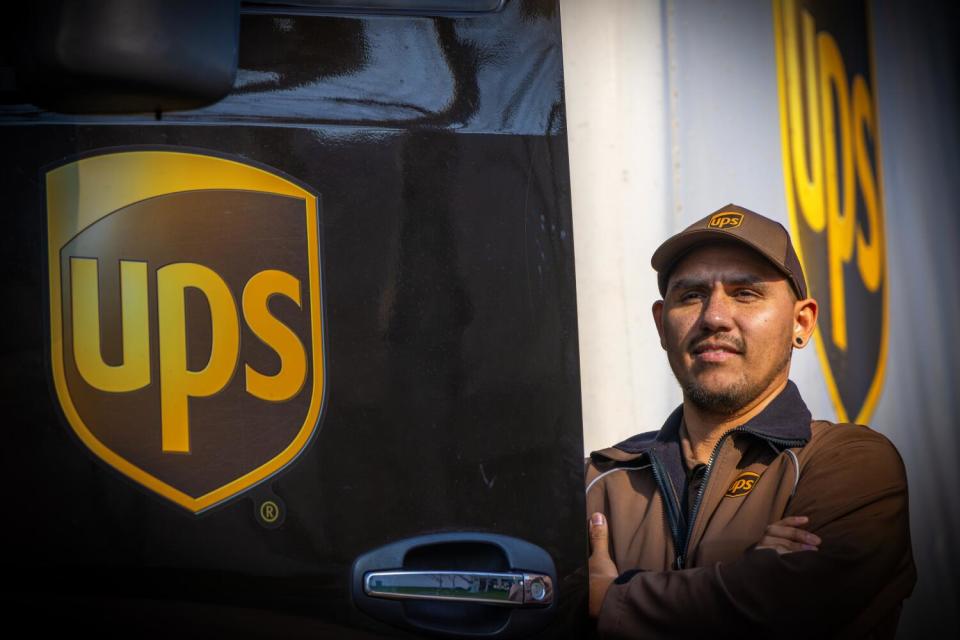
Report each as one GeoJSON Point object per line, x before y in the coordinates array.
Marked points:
{"type": "Point", "coordinates": [720, 400]}
{"type": "Point", "coordinates": [716, 378]}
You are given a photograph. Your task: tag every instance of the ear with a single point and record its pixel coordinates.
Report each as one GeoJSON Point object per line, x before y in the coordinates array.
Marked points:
{"type": "Point", "coordinates": [658, 320]}
{"type": "Point", "coordinates": [804, 321]}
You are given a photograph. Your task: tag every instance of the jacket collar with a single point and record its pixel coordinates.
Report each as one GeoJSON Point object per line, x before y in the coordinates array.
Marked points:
{"type": "Point", "coordinates": [784, 422]}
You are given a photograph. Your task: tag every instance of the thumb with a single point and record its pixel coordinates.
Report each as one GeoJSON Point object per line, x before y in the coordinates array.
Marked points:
{"type": "Point", "coordinates": [598, 534]}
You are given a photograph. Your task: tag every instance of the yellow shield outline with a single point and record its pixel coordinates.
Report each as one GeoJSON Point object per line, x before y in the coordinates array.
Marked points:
{"type": "Point", "coordinates": [86, 189]}
{"type": "Point", "coordinates": [780, 7]}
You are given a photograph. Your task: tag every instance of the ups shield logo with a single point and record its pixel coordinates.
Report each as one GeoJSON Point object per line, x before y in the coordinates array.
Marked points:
{"type": "Point", "coordinates": [832, 171]}
{"type": "Point", "coordinates": [186, 326]}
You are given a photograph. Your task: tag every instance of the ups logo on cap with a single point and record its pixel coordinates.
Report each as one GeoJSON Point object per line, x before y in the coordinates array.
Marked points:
{"type": "Point", "coordinates": [725, 220]}
{"type": "Point", "coordinates": [186, 326]}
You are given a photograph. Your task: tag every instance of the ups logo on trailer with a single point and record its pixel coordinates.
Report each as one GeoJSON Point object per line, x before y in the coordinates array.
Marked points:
{"type": "Point", "coordinates": [186, 325]}
{"type": "Point", "coordinates": [832, 171]}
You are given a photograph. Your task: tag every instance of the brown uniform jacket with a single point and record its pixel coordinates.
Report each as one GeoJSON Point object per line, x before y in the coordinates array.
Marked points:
{"type": "Point", "coordinates": [704, 577]}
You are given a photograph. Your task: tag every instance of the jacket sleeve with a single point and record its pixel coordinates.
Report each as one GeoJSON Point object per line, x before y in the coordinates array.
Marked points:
{"type": "Point", "coordinates": [854, 491]}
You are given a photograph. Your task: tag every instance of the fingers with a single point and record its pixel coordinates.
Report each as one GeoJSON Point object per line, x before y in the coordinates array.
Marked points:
{"type": "Point", "coordinates": [786, 536]}
{"type": "Point", "coordinates": [599, 535]}
{"type": "Point", "coordinates": [792, 533]}
{"type": "Point", "coordinates": [782, 545]}
{"type": "Point", "coordinates": [788, 530]}
{"type": "Point", "coordinates": [600, 564]}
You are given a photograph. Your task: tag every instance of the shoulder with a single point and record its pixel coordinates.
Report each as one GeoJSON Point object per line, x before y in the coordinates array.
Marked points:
{"type": "Point", "coordinates": [629, 449]}
{"type": "Point", "coordinates": [828, 435]}
{"type": "Point", "coordinates": [604, 460]}
{"type": "Point", "coordinates": [853, 449]}
{"type": "Point", "coordinates": [636, 443]}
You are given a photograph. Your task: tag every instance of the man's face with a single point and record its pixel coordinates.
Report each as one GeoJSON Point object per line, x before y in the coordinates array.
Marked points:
{"type": "Point", "coordinates": [727, 323]}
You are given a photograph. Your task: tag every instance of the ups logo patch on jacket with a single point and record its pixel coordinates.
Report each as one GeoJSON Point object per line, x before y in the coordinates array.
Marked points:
{"type": "Point", "coordinates": [742, 484]}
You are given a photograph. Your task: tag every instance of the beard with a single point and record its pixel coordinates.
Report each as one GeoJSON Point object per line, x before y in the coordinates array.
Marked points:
{"type": "Point", "coordinates": [721, 402]}
{"type": "Point", "coordinates": [732, 398]}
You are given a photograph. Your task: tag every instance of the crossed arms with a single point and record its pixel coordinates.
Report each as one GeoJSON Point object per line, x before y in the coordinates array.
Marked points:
{"type": "Point", "coordinates": [852, 584]}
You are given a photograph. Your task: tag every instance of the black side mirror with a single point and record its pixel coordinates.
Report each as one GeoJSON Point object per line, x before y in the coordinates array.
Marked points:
{"type": "Point", "coordinates": [126, 56]}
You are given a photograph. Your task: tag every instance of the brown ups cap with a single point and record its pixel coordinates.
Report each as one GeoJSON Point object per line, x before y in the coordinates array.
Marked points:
{"type": "Point", "coordinates": [741, 225]}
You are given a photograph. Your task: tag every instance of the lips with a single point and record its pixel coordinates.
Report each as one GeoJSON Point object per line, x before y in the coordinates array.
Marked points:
{"type": "Point", "coordinates": [701, 348]}
{"type": "Point", "coordinates": [715, 351]}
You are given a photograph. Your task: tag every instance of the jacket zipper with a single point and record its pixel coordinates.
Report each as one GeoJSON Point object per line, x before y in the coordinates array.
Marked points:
{"type": "Point", "coordinates": [672, 516]}
{"type": "Point", "coordinates": [681, 557]}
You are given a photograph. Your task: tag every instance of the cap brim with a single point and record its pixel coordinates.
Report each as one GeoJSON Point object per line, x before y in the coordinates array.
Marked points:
{"type": "Point", "coordinates": [670, 252]}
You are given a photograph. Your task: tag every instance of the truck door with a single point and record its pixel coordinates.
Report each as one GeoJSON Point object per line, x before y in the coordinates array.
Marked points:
{"type": "Point", "coordinates": [301, 359]}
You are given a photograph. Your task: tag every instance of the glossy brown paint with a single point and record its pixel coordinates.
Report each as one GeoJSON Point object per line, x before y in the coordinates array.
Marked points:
{"type": "Point", "coordinates": [438, 149]}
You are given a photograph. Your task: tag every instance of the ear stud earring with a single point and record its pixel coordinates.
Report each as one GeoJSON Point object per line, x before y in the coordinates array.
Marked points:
{"type": "Point", "coordinates": [799, 341]}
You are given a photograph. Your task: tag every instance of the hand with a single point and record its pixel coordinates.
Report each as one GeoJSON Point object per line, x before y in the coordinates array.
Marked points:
{"type": "Point", "coordinates": [601, 566]}
{"type": "Point", "coordinates": [785, 536]}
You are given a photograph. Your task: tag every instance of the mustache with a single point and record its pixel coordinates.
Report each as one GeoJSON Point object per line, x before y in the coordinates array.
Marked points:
{"type": "Point", "coordinates": [715, 340]}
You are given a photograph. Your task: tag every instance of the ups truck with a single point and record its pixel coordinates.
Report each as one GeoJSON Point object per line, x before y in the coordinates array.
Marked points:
{"type": "Point", "coordinates": [290, 342]}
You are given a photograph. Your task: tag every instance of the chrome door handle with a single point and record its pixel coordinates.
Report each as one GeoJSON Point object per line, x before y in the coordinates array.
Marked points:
{"type": "Point", "coordinates": [459, 584]}
{"type": "Point", "coordinates": [507, 589]}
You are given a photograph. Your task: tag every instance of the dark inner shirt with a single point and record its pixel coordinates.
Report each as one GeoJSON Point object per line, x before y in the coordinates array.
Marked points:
{"type": "Point", "coordinates": [694, 480]}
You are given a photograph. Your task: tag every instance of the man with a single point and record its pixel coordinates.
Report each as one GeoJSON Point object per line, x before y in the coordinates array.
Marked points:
{"type": "Point", "coordinates": [741, 516]}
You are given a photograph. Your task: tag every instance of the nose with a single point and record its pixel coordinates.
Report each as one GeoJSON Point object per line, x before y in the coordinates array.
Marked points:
{"type": "Point", "coordinates": [717, 312]}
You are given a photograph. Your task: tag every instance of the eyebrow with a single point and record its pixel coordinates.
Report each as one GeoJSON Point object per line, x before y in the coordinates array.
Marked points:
{"type": "Point", "coordinates": [733, 280]}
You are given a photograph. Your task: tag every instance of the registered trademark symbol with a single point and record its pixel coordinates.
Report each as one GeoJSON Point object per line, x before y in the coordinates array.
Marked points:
{"type": "Point", "coordinates": [269, 511]}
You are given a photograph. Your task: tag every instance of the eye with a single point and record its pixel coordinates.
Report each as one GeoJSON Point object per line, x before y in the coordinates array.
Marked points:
{"type": "Point", "coordinates": [746, 294]}
{"type": "Point", "coordinates": [691, 296]}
